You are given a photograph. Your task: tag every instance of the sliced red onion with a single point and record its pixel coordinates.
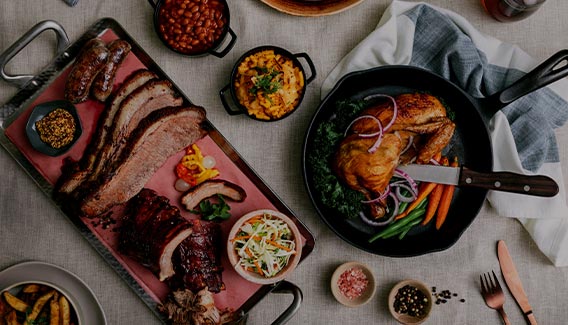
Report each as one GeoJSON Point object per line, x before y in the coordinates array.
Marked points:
{"type": "Point", "coordinates": [403, 198]}
{"type": "Point", "coordinates": [407, 177]}
{"type": "Point", "coordinates": [380, 197]}
{"type": "Point", "coordinates": [408, 145]}
{"type": "Point", "coordinates": [373, 223]}
{"type": "Point", "coordinates": [434, 162]}
{"type": "Point", "coordinates": [395, 107]}
{"type": "Point", "coordinates": [366, 134]}
{"type": "Point", "coordinates": [376, 144]}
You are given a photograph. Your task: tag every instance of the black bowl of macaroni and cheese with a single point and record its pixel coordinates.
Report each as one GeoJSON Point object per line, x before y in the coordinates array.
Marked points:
{"type": "Point", "coordinates": [267, 83]}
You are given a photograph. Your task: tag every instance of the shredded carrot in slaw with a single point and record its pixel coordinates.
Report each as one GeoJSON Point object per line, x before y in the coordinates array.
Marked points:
{"type": "Point", "coordinates": [264, 245]}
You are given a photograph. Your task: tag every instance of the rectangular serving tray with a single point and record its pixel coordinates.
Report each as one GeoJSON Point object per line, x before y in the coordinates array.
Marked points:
{"type": "Point", "coordinates": [34, 89]}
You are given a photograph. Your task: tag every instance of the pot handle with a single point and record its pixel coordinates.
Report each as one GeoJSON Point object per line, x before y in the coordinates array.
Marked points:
{"type": "Point", "coordinates": [546, 73]}
{"type": "Point", "coordinates": [228, 47]}
{"type": "Point", "coordinates": [21, 80]}
{"type": "Point", "coordinates": [288, 287]}
{"type": "Point", "coordinates": [153, 3]}
{"type": "Point", "coordinates": [228, 108]}
{"type": "Point", "coordinates": [310, 64]}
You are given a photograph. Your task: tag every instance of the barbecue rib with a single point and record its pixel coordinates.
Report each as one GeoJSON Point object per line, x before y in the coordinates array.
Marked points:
{"type": "Point", "coordinates": [151, 231]}
{"type": "Point", "coordinates": [158, 136]}
{"type": "Point", "coordinates": [197, 260]}
{"type": "Point", "coordinates": [185, 252]}
{"type": "Point", "coordinates": [421, 119]}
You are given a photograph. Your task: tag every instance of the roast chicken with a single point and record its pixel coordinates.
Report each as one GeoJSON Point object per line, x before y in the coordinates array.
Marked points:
{"type": "Point", "coordinates": [420, 130]}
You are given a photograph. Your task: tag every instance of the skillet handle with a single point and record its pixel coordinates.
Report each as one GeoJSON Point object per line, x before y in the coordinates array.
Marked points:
{"type": "Point", "coordinates": [5, 57]}
{"type": "Point", "coordinates": [537, 185]}
{"type": "Point", "coordinates": [290, 288]}
{"type": "Point", "coordinates": [541, 76]}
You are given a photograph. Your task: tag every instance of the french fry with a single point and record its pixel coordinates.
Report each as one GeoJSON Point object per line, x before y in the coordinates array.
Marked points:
{"type": "Point", "coordinates": [15, 302]}
{"type": "Point", "coordinates": [11, 318]}
{"type": "Point", "coordinates": [65, 312]}
{"type": "Point", "coordinates": [38, 306]}
{"type": "Point", "coordinates": [31, 288]}
{"type": "Point", "coordinates": [54, 310]}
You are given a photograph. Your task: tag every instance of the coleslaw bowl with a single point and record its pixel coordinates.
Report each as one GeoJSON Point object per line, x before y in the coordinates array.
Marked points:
{"type": "Point", "coordinates": [264, 246]}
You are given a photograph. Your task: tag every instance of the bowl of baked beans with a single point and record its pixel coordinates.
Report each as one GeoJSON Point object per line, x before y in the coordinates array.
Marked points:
{"type": "Point", "coordinates": [267, 83]}
{"type": "Point", "coordinates": [194, 27]}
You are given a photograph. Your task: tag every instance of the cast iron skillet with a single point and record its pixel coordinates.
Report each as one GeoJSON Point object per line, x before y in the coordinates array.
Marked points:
{"type": "Point", "coordinates": [471, 143]}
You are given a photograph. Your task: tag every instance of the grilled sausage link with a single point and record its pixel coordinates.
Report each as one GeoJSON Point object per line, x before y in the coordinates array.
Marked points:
{"type": "Point", "coordinates": [88, 64]}
{"type": "Point", "coordinates": [103, 83]}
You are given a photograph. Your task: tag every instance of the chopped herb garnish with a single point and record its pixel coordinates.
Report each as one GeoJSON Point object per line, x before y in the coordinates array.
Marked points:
{"type": "Point", "coordinates": [265, 82]}
{"type": "Point", "coordinates": [213, 211]}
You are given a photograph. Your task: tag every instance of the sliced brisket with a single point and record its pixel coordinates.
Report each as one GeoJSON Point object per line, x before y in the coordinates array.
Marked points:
{"type": "Point", "coordinates": [158, 136]}
{"type": "Point", "coordinates": [77, 173]}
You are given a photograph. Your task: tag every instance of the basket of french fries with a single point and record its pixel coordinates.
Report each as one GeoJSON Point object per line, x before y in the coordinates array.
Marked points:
{"type": "Point", "coordinates": [37, 303]}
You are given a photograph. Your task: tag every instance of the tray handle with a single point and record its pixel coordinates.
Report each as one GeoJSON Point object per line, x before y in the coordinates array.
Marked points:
{"type": "Point", "coordinates": [21, 80]}
{"type": "Point", "coordinates": [288, 288]}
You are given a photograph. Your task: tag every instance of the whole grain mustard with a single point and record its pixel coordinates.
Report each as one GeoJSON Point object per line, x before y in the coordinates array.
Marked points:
{"type": "Point", "coordinates": [57, 128]}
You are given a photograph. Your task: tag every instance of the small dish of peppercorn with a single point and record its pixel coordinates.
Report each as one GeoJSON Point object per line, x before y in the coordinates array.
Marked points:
{"type": "Point", "coordinates": [53, 127]}
{"type": "Point", "coordinates": [353, 284]}
{"type": "Point", "coordinates": [410, 302]}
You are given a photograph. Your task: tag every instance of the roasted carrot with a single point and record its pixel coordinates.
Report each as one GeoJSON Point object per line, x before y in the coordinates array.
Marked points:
{"type": "Point", "coordinates": [424, 190]}
{"type": "Point", "coordinates": [434, 198]}
{"type": "Point", "coordinates": [433, 202]}
{"type": "Point", "coordinates": [445, 200]}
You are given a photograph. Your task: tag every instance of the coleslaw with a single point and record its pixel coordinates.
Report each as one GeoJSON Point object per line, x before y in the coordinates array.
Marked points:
{"type": "Point", "coordinates": [264, 245]}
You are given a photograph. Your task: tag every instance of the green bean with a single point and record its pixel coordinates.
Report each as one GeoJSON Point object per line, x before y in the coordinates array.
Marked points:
{"type": "Point", "coordinates": [397, 225]}
{"type": "Point", "coordinates": [402, 207]}
{"type": "Point", "coordinates": [408, 227]}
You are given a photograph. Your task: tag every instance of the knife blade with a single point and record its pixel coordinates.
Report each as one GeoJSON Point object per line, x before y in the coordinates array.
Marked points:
{"type": "Point", "coordinates": [513, 281]}
{"type": "Point", "coordinates": [538, 185]}
{"type": "Point", "coordinates": [71, 3]}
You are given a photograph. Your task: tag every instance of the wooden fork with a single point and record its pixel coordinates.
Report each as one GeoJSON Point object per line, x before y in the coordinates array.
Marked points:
{"type": "Point", "coordinates": [493, 294]}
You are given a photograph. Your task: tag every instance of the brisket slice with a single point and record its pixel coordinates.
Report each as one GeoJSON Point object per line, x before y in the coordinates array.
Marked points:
{"type": "Point", "coordinates": [158, 136]}
{"type": "Point", "coordinates": [209, 188]}
{"type": "Point", "coordinates": [142, 101]}
{"type": "Point", "coordinates": [197, 261]}
{"type": "Point", "coordinates": [74, 175]}
{"type": "Point", "coordinates": [151, 231]}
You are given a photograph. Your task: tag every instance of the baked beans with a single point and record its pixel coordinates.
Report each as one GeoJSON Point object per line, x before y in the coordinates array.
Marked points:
{"type": "Point", "coordinates": [191, 26]}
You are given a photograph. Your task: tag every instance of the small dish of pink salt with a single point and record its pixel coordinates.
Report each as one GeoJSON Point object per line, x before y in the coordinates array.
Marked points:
{"type": "Point", "coordinates": [353, 284]}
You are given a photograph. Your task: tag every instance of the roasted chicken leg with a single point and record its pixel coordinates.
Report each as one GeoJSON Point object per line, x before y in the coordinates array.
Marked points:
{"type": "Point", "coordinates": [420, 130]}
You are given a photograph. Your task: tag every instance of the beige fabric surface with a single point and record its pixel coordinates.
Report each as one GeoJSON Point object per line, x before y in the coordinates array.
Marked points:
{"type": "Point", "coordinates": [32, 229]}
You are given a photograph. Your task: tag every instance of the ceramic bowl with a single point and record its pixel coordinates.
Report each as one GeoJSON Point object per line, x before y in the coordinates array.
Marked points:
{"type": "Point", "coordinates": [365, 296]}
{"type": "Point", "coordinates": [234, 107]}
{"type": "Point", "coordinates": [404, 318]}
{"type": "Point", "coordinates": [253, 276]}
{"type": "Point", "coordinates": [76, 316]}
{"type": "Point", "coordinates": [39, 112]}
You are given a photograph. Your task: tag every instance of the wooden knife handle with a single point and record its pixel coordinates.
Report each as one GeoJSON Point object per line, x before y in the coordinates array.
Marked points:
{"type": "Point", "coordinates": [538, 185]}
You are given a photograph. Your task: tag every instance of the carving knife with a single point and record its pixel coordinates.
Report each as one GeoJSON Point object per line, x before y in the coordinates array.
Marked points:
{"type": "Point", "coordinates": [538, 185]}
{"type": "Point", "coordinates": [513, 281]}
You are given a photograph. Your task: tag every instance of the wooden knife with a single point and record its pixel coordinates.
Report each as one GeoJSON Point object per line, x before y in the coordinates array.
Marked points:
{"type": "Point", "coordinates": [513, 281]}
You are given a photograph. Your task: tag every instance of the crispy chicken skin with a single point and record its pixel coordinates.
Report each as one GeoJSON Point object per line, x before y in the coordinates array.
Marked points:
{"type": "Point", "coordinates": [421, 119]}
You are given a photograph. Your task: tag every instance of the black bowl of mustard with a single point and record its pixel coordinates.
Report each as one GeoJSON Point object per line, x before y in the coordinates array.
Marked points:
{"type": "Point", "coordinates": [53, 127]}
